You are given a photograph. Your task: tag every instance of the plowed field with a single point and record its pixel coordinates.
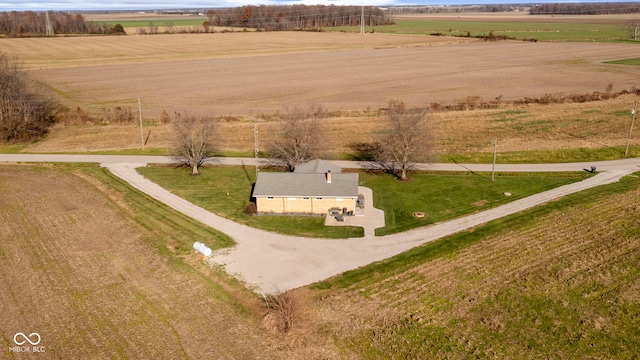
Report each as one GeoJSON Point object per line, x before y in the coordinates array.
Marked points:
{"type": "Point", "coordinates": [77, 271]}
{"type": "Point", "coordinates": [256, 73]}
{"type": "Point", "coordinates": [564, 287]}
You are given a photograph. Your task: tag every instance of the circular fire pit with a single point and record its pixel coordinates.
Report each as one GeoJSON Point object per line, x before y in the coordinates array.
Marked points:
{"type": "Point", "coordinates": [419, 214]}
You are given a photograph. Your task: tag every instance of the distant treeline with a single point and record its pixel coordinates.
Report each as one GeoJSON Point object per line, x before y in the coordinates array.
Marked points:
{"type": "Point", "coordinates": [541, 9]}
{"type": "Point", "coordinates": [585, 8]}
{"type": "Point", "coordinates": [296, 17]}
{"type": "Point", "coordinates": [30, 23]}
{"type": "Point", "coordinates": [457, 9]}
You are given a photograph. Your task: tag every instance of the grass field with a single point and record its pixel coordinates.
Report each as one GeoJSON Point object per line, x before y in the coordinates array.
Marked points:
{"type": "Point", "coordinates": [520, 30]}
{"type": "Point", "coordinates": [634, 61]}
{"type": "Point", "coordinates": [226, 191]}
{"type": "Point", "coordinates": [142, 23]}
{"type": "Point", "coordinates": [520, 26]}
{"type": "Point", "coordinates": [528, 134]}
{"type": "Point", "coordinates": [559, 282]}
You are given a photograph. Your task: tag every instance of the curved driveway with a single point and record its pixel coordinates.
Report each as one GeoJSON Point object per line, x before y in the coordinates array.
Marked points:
{"type": "Point", "coordinates": [270, 262]}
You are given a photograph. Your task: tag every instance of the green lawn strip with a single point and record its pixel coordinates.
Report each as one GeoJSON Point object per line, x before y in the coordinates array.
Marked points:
{"type": "Point", "coordinates": [521, 30]}
{"type": "Point", "coordinates": [446, 196]}
{"type": "Point", "coordinates": [634, 61]}
{"type": "Point", "coordinates": [226, 191]}
{"type": "Point", "coordinates": [450, 245]}
{"type": "Point", "coordinates": [542, 156]}
{"type": "Point", "coordinates": [12, 148]}
{"type": "Point", "coordinates": [154, 22]}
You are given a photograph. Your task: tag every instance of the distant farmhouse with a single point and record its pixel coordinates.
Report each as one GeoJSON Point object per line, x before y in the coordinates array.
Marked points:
{"type": "Point", "coordinates": [313, 188]}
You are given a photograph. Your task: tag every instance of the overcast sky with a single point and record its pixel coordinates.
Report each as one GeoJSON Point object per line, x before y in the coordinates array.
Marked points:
{"type": "Point", "coordinates": [165, 4]}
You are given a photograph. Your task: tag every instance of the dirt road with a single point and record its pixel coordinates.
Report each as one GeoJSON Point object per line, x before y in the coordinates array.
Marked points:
{"type": "Point", "coordinates": [270, 262]}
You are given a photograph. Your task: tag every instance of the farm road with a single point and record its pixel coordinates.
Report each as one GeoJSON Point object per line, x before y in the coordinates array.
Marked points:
{"type": "Point", "coordinates": [270, 262]}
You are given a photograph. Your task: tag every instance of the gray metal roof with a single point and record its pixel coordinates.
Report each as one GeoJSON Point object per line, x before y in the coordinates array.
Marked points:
{"type": "Point", "coordinates": [317, 167]}
{"type": "Point", "coordinates": [279, 184]}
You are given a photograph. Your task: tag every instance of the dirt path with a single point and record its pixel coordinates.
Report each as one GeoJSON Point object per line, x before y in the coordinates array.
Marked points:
{"type": "Point", "coordinates": [270, 262]}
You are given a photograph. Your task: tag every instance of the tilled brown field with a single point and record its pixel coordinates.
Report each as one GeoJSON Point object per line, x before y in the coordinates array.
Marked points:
{"type": "Point", "coordinates": [257, 73]}
{"type": "Point", "coordinates": [79, 273]}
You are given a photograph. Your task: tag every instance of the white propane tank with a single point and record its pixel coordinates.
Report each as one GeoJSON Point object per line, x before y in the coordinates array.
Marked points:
{"type": "Point", "coordinates": [202, 248]}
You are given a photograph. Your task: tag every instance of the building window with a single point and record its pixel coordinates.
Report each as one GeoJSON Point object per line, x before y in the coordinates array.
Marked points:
{"type": "Point", "coordinates": [339, 199]}
{"type": "Point", "coordinates": [269, 197]}
{"type": "Point", "coordinates": [291, 198]}
{"type": "Point", "coordinates": [305, 198]}
{"type": "Point", "coordinates": [319, 199]}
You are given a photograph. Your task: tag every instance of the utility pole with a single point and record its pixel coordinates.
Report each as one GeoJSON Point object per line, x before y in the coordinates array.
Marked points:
{"type": "Point", "coordinates": [141, 132]}
{"type": "Point", "coordinates": [633, 119]}
{"type": "Point", "coordinates": [49, 26]}
{"type": "Point", "coordinates": [493, 168]}
{"type": "Point", "coordinates": [362, 19]}
{"type": "Point", "coordinates": [255, 141]}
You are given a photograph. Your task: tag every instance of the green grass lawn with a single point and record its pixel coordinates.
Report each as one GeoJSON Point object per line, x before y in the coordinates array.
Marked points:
{"type": "Point", "coordinates": [634, 61]}
{"type": "Point", "coordinates": [447, 196]}
{"type": "Point", "coordinates": [226, 191]}
{"type": "Point", "coordinates": [520, 30]}
{"type": "Point", "coordinates": [543, 156]}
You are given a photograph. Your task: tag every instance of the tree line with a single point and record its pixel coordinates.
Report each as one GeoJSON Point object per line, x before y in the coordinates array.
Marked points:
{"type": "Point", "coordinates": [31, 23]}
{"type": "Point", "coordinates": [26, 113]}
{"type": "Point", "coordinates": [296, 17]}
{"type": "Point", "coordinates": [594, 8]}
{"type": "Point", "coordinates": [491, 8]}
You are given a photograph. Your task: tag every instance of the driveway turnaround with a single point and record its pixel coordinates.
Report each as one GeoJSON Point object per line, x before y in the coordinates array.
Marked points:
{"type": "Point", "coordinates": [270, 262]}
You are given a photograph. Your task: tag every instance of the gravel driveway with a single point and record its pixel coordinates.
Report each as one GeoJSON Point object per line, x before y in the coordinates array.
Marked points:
{"type": "Point", "coordinates": [270, 262]}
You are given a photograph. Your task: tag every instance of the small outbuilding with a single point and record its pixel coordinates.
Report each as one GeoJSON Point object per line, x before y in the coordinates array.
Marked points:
{"type": "Point", "coordinates": [313, 188]}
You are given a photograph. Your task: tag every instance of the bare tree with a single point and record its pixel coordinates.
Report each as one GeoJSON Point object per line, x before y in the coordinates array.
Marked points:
{"type": "Point", "coordinates": [194, 140]}
{"type": "Point", "coordinates": [633, 29]}
{"type": "Point", "coordinates": [25, 112]}
{"type": "Point", "coordinates": [298, 137]}
{"type": "Point", "coordinates": [406, 139]}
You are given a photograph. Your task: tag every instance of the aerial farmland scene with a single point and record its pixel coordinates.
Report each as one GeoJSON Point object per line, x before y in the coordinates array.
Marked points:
{"type": "Point", "coordinates": [302, 180]}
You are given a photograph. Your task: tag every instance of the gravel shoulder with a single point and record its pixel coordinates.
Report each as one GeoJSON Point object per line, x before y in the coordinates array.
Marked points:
{"type": "Point", "coordinates": [270, 262]}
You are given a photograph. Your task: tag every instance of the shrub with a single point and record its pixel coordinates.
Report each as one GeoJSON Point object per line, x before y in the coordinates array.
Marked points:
{"type": "Point", "coordinates": [251, 209]}
{"type": "Point", "coordinates": [282, 309]}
